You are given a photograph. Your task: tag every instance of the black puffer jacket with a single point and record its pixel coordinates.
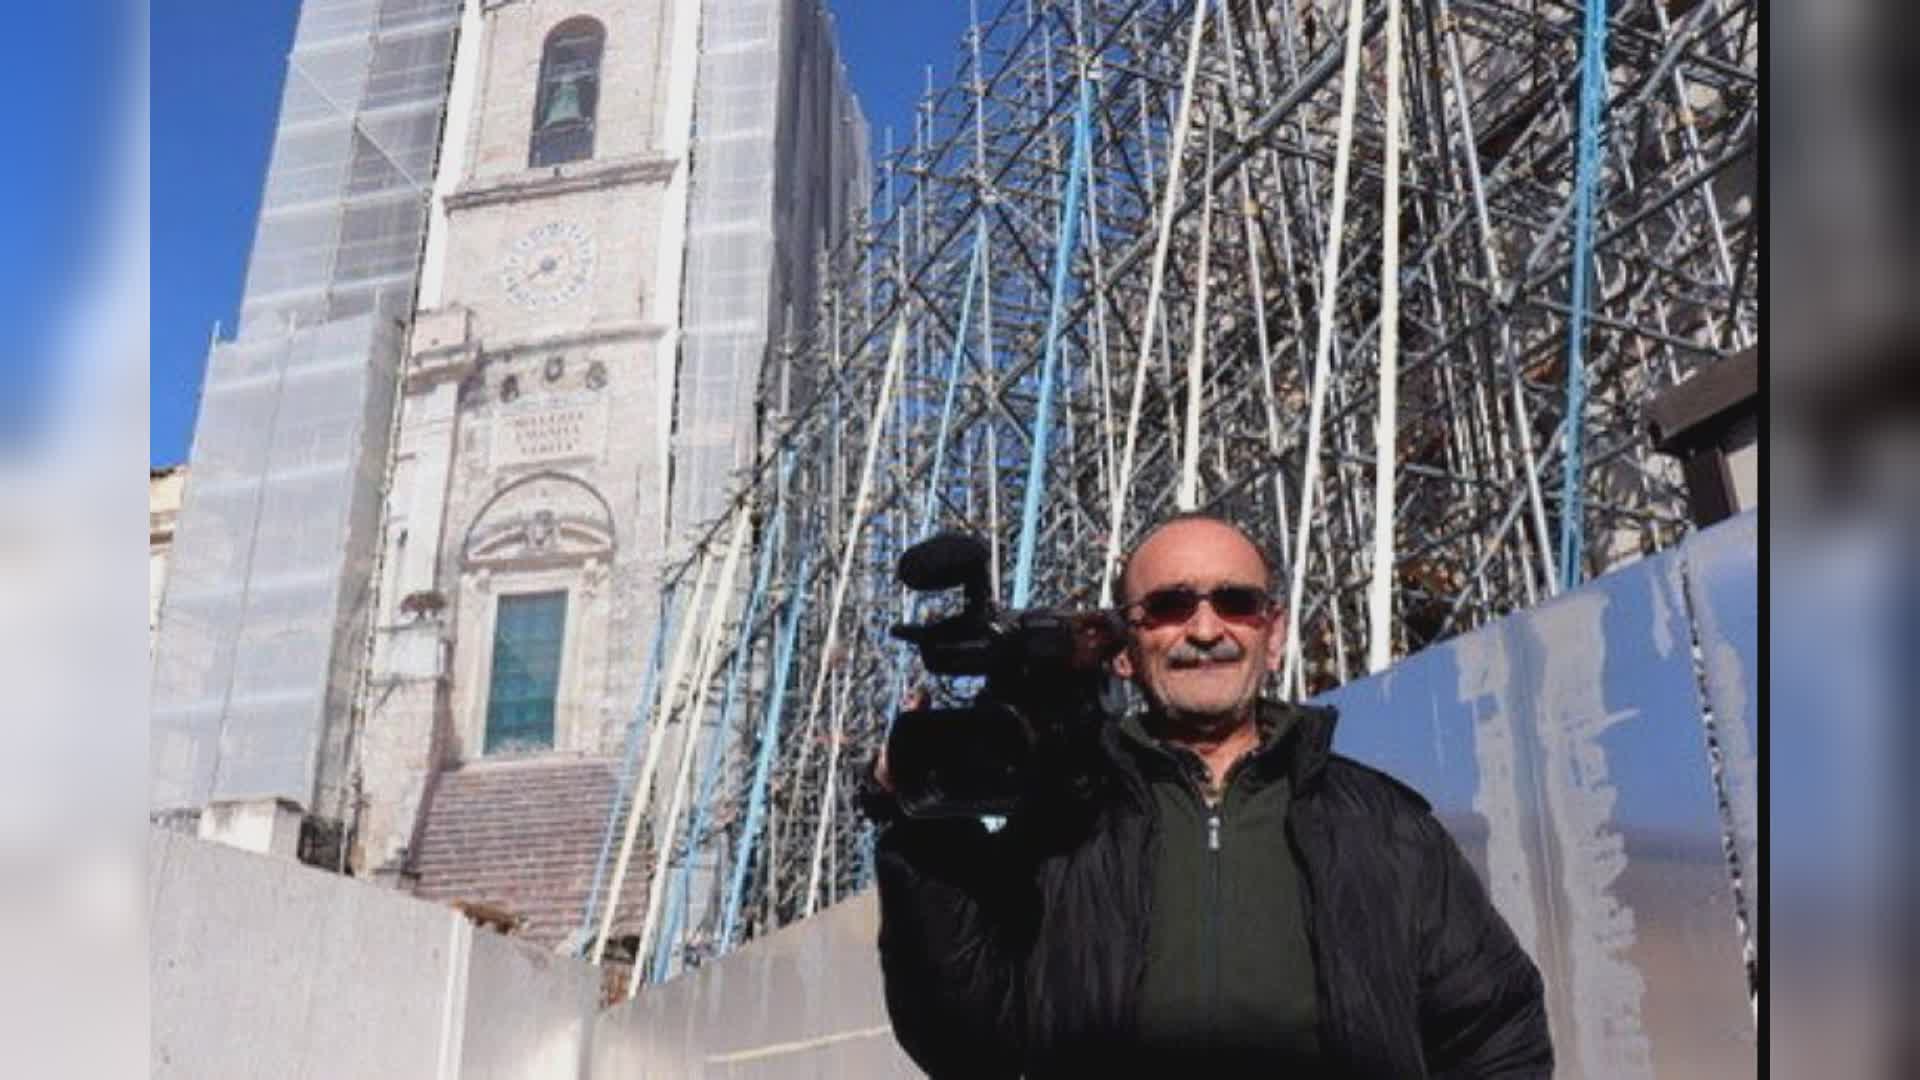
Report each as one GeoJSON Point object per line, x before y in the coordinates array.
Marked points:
{"type": "Point", "coordinates": [1021, 952]}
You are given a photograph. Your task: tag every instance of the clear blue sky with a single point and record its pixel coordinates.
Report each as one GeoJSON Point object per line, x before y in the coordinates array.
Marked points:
{"type": "Point", "coordinates": [218, 66]}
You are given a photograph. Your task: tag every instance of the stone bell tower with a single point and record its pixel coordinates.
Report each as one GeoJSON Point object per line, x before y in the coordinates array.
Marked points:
{"type": "Point", "coordinates": [599, 290]}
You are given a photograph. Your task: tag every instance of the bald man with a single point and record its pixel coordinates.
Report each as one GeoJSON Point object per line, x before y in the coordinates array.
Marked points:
{"type": "Point", "coordinates": [1221, 891]}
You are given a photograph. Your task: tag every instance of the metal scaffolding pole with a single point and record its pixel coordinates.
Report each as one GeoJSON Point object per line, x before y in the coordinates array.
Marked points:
{"type": "Point", "coordinates": [1206, 220]}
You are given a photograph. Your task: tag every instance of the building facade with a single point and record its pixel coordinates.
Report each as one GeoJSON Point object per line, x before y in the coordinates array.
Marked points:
{"type": "Point", "coordinates": [566, 407]}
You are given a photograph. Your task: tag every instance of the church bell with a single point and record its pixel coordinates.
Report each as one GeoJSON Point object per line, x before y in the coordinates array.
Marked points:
{"type": "Point", "coordinates": [563, 105]}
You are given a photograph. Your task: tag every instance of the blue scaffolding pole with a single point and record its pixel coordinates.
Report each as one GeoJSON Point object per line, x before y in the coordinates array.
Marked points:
{"type": "Point", "coordinates": [680, 883]}
{"type": "Point", "coordinates": [1043, 410]}
{"type": "Point", "coordinates": [1593, 97]}
{"type": "Point", "coordinates": [643, 712]}
{"type": "Point", "coordinates": [763, 764]}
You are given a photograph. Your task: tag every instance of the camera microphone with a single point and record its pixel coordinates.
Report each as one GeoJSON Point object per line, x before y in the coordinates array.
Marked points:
{"type": "Point", "coordinates": [945, 561]}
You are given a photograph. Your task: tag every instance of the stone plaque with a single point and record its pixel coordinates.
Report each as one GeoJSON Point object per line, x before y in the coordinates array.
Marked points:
{"type": "Point", "coordinates": [550, 433]}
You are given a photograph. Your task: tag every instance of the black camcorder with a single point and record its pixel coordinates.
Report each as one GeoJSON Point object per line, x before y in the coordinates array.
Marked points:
{"type": "Point", "coordinates": [1045, 686]}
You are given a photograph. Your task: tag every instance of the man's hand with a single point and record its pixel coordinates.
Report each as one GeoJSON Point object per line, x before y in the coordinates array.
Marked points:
{"type": "Point", "coordinates": [914, 700]}
{"type": "Point", "coordinates": [911, 702]}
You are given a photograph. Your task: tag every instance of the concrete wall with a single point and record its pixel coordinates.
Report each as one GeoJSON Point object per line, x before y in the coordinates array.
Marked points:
{"type": "Point", "coordinates": [804, 1002]}
{"type": "Point", "coordinates": [1567, 748]}
{"type": "Point", "coordinates": [263, 967]}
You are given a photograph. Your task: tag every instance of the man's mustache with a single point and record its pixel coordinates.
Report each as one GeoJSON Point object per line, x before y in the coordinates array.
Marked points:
{"type": "Point", "coordinates": [1224, 651]}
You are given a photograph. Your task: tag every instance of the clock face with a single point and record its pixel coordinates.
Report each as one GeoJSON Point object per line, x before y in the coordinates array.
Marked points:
{"type": "Point", "coordinates": [548, 266]}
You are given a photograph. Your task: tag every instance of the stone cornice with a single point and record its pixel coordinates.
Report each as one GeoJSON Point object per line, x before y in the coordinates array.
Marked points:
{"type": "Point", "coordinates": [566, 339]}
{"type": "Point", "coordinates": [561, 180]}
{"type": "Point", "coordinates": [424, 370]}
{"type": "Point", "coordinates": [460, 357]}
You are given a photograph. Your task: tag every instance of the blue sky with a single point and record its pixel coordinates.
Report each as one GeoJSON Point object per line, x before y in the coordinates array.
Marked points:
{"type": "Point", "coordinates": [218, 66]}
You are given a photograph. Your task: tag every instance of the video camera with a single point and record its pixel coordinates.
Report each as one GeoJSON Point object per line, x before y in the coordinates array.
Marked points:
{"type": "Point", "coordinates": [1045, 676]}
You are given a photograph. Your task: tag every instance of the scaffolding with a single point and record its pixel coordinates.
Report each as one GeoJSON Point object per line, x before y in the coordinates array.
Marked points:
{"type": "Point", "coordinates": [1134, 259]}
{"type": "Point", "coordinates": [262, 629]}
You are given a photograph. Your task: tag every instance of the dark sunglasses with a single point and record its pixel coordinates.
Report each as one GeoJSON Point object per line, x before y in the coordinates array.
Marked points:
{"type": "Point", "coordinates": [1176, 604]}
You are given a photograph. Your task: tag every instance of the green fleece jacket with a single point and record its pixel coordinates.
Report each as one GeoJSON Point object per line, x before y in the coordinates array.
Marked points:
{"type": "Point", "coordinates": [1229, 969]}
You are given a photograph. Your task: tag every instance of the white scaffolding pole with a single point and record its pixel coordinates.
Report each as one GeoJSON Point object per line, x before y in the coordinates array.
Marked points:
{"type": "Point", "coordinates": [1197, 348]}
{"type": "Point", "coordinates": [1323, 352]}
{"type": "Point", "coordinates": [1380, 597]}
{"type": "Point", "coordinates": [643, 786]}
{"type": "Point", "coordinates": [689, 741]}
{"type": "Point", "coordinates": [1116, 521]}
{"type": "Point", "coordinates": [864, 494]}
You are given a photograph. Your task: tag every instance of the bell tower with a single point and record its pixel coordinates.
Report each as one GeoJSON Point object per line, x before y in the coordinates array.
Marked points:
{"type": "Point", "coordinates": [525, 516]}
{"type": "Point", "coordinates": [597, 295]}
{"type": "Point", "coordinates": [518, 269]}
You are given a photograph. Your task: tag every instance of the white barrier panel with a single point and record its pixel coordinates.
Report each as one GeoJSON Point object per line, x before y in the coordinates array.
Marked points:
{"type": "Point", "coordinates": [263, 967]}
{"type": "Point", "coordinates": [802, 1002]}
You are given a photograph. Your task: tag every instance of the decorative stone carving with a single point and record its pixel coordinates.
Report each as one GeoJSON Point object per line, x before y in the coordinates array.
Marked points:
{"type": "Point", "coordinates": [593, 576]}
{"type": "Point", "coordinates": [544, 519]}
{"type": "Point", "coordinates": [541, 529]}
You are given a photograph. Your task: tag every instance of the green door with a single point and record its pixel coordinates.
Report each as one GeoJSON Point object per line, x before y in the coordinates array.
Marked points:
{"type": "Point", "coordinates": [527, 635]}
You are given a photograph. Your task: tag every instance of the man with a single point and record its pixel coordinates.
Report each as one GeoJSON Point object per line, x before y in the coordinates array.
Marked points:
{"type": "Point", "coordinates": [1221, 894]}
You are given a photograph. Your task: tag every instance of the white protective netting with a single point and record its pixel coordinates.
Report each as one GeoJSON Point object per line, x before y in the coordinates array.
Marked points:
{"type": "Point", "coordinates": [780, 170]}
{"type": "Point", "coordinates": [262, 625]}
{"type": "Point", "coordinates": [771, 188]}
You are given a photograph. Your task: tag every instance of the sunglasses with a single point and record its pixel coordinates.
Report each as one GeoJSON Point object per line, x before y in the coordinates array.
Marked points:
{"type": "Point", "coordinates": [1176, 604]}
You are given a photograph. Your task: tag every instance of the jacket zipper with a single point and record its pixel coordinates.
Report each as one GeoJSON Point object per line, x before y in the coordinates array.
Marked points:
{"type": "Point", "coordinates": [1213, 947]}
{"type": "Point", "coordinates": [1303, 767]}
{"type": "Point", "coordinates": [1214, 918]}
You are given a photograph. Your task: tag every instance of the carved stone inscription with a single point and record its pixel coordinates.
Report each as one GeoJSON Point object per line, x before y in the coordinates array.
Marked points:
{"type": "Point", "coordinates": [551, 433]}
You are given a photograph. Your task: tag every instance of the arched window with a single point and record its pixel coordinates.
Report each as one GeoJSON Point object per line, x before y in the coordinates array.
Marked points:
{"type": "Point", "coordinates": [569, 93]}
